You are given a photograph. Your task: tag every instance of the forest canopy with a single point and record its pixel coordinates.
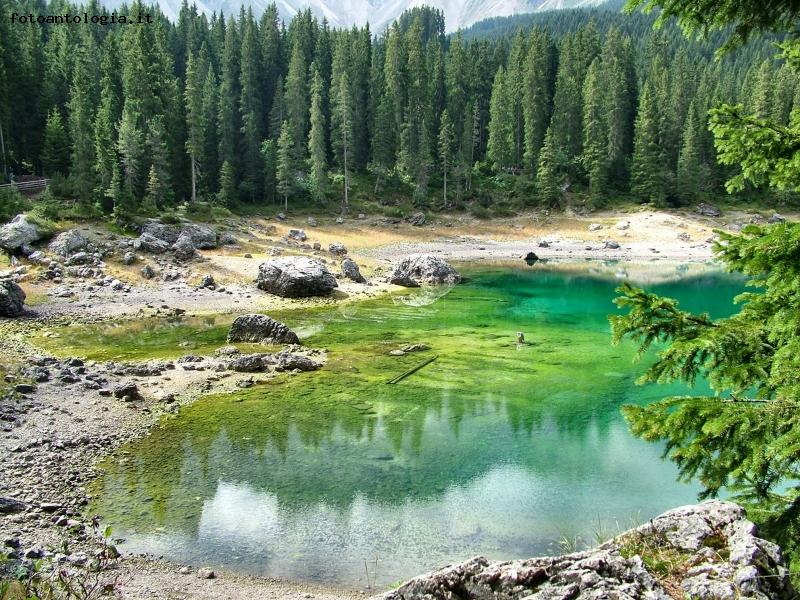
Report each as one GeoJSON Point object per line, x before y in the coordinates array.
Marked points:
{"type": "Point", "coordinates": [246, 109]}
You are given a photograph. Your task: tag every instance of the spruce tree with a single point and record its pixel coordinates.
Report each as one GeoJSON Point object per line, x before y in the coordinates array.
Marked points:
{"type": "Point", "coordinates": [56, 149]}
{"type": "Point", "coordinates": [446, 143]}
{"type": "Point", "coordinates": [537, 93]}
{"type": "Point", "coordinates": [296, 102]}
{"type": "Point", "coordinates": [548, 185]}
{"type": "Point", "coordinates": [227, 195]}
{"type": "Point", "coordinates": [689, 160]}
{"type": "Point", "coordinates": [342, 136]}
{"type": "Point", "coordinates": [285, 166]}
{"type": "Point", "coordinates": [80, 116]}
{"type": "Point", "coordinates": [648, 180]}
{"type": "Point", "coordinates": [499, 150]}
{"type": "Point", "coordinates": [316, 140]}
{"type": "Point", "coordinates": [595, 143]}
{"type": "Point", "coordinates": [251, 110]}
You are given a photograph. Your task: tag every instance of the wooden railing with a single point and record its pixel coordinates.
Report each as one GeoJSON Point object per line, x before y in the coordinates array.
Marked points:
{"type": "Point", "coordinates": [27, 187]}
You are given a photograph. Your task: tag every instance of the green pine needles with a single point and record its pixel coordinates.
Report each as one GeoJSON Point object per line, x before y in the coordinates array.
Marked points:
{"type": "Point", "coordinates": [746, 438]}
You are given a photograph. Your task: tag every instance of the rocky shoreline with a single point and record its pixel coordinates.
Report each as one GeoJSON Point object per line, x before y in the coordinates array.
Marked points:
{"type": "Point", "coordinates": [60, 416]}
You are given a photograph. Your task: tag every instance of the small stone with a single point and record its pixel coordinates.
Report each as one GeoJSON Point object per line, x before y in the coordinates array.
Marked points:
{"type": "Point", "coordinates": [205, 573]}
{"type": "Point", "coordinates": [185, 570]}
{"type": "Point", "coordinates": [148, 272]}
{"type": "Point", "coordinates": [595, 227]}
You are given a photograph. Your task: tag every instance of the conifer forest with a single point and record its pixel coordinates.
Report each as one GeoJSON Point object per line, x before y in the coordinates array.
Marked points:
{"type": "Point", "coordinates": [239, 110]}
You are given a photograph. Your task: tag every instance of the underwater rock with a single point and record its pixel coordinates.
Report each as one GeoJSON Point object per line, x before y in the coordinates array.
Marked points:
{"type": "Point", "coordinates": [423, 269]}
{"type": "Point", "coordinates": [295, 277]}
{"type": "Point", "coordinates": [351, 271]}
{"type": "Point", "coordinates": [287, 361]}
{"type": "Point", "coordinates": [415, 347]}
{"type": "Point", "coordinates": [718, 556]}
{"type": "Point", "coordinates": [68, 243]}
{"type": "Point", "coordinates": [249, 363]}
{"type": "Point", "coordinates": [12, 299]}
{"type": "Point", "coordinates": [261, 329]}
{"type": "Point", "coordinates": [19, 232]}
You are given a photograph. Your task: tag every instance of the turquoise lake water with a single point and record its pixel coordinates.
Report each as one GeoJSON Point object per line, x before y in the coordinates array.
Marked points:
{"type": "Point", "coordinates": [493, 448]}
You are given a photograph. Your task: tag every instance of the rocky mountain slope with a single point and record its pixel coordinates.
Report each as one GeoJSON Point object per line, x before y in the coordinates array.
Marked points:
{"type": "Point", "coordinates": [379, 13]}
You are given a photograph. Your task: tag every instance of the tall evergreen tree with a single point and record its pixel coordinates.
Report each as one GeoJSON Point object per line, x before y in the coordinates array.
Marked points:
{"type": "Point", "coordinates": [285, 166]}
{"type": "Point", "coordinates": [500, 151]}
{"type": "Point", "coordinates": [595, 143]}
{"type": "Point", "coordinates": [537, 95]}
{"type": "Point", "coordinates": [56, 149]}
{"type": "Point", "coordinates": [648, 178]}
{"type": "Point", "coordinates": [296, 102]}
{"type": "Point", "coordinates": [547, 179]}
{"type": "Point", "coordinates": [690, 170]}
{"type": "Point", "coordinates": [446, 143]}
{"type": "Point", "coordinates": [316, 140]}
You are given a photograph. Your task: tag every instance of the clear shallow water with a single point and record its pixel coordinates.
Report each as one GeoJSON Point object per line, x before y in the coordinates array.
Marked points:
{"type": "Point", "coordinates": [492, 449]}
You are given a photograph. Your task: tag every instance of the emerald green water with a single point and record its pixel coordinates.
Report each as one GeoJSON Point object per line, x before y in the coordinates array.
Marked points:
{"type": "Point", "coordinates": [492, 449]}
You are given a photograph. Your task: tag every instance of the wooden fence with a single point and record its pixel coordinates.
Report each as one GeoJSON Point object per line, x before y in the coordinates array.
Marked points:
{"type": "Point", "coordinates": [27, 187]}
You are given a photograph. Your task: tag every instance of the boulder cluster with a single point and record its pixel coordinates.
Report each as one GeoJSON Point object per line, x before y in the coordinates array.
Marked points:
{"type": "Point", "coordinates": [708, 551]}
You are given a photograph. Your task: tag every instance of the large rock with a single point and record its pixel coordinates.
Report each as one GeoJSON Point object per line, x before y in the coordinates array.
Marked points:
{"type": "Point", "coordinates": [183, 246]}
{"type": "Point", "coordinates": [295, 277]}
{"type": "Point", "coordinates": [12, 299]}
{"type": "Point", "coordinates": [423, 269]}
{"type": "Point", "coordinates": [166, 233]}
{"type": "Point", "coordinates": [351, 271]}
{"type": "Point", "coordinates": [708, 210]}
{"type": "Point", "coordinates": [714, 554]}
{"type": "Point", "coordinates": [202, 236]}
{"type": "Point", "coordinates": [69, 242]}
{"type": "Point", "coordinates": [261, 329]}
{"type": "Point", "coordinates": [19, 232]}
{"type": "Point", "coordinates": [147, 242]}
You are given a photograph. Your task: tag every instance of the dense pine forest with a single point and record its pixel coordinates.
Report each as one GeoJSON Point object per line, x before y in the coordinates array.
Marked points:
{"type": "Point", "coordinates": [572, 107]}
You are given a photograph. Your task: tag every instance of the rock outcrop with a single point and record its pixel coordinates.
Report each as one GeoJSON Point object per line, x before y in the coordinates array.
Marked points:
{"type": "Point", "coordinates": [12, 299]}
{"type": "Point", "coordinates": [150, 243]}
{"type": "Point", "coordinates": [423, 269]}
{"type": "Point", "coordinates": [295, 277]}
{"type": "Point", "coordinates": [203, 237]}
{"type": "Point", "coordinates": [19, 232]}
{"type": "Point", "coordinates": [261, 329]}
{"type": "Point", "coordinates": [708, 551]}
{"type": "Point", "coordinates": [200, 236]}
{"type": "Point", "coordinates": [68, 243]}
{"type": "Point", "coordinates": [708, 210]}
{"type": "Point", "coordinates": [183, 246]}
{"type": "Point", "coordinates": [351, 271]}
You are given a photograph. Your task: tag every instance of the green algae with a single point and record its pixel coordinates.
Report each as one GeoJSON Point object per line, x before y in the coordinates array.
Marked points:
{"type": "Point", "coordinates": [495, 448]}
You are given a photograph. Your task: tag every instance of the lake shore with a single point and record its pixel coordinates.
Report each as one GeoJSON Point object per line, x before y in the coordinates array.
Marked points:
{"type": "Point", "coordinates": [56, 433]}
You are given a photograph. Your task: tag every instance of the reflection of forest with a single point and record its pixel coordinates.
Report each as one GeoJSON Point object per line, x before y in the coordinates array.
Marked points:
{"type": "Point", "coordinates": [549, 407]}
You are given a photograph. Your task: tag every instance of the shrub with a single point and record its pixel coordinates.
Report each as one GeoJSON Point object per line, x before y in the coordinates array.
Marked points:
{"type": "Point", "coordinates": [11, 203]}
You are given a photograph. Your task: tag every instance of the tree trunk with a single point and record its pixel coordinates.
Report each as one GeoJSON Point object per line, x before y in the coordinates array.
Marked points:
{"type": "Point", "coordinates": [194, 180]}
